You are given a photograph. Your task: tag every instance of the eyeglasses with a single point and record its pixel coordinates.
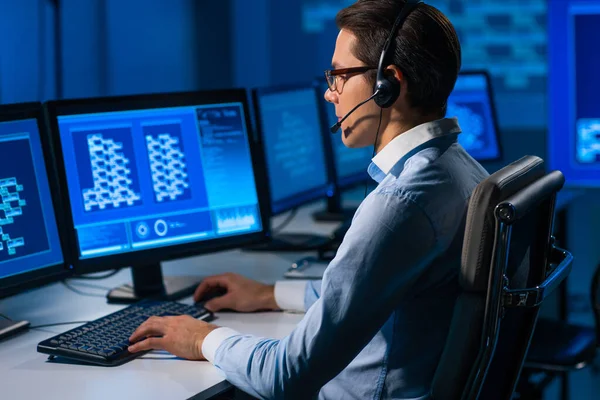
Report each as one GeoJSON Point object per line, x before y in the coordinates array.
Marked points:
{"type": "Point", "coordinates": [332, 75]}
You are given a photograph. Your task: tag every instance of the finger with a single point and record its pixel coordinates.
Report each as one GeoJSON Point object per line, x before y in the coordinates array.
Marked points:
{"type": "Point", "coordinates": [210, 283]}
{"type": "Point", "coordinates": [152, 343]}
{"type": "Point", "coordinates": [154, 326]}
{"type": "Point", "coordinates": [219, 303]}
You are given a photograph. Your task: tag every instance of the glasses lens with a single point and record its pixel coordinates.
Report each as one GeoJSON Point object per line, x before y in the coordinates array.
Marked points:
{"type": "Point", "coordinates": [330, 80]}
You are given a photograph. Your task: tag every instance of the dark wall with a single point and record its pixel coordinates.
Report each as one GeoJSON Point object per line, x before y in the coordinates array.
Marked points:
{"type": "Point", "coordinates": [113, 47]}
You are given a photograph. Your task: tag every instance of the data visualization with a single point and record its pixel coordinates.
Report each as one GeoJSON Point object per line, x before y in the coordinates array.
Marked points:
{"type": "Point", "coordinates": [142, 179]}
{"type": "Point", "coordinates": [12, 205]}
{"type": "Point", "coordinates": [167, 162]}
{"type": "Point", "coordinates": [28, 232]}
{"type": "Point", "coordinates": [112, 179]}
{"type": "Point", "coordinates": [294, 146]}
{"type": "Point", "coordinates": [588, 141]}
{"type": "Point", "coordinates": [471, 103]}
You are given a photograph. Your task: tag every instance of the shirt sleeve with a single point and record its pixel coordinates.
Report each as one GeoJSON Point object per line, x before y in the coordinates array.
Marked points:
{"type": "Point", "coordinates": [313, 292]}
{"type": "Point", "coordinates": [390, 244]}
{"type": "Point", "coordinates": [289, 295]}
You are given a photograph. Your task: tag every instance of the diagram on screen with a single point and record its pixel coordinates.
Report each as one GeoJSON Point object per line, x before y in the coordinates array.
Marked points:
{"type": "Point", "coordinates": [588, 140]}
{"type": "Point", "coordinates": [167, 166]}
{"type": "Point", "coordinates": [235, 219]}
{"type": "Point", "coordinates": [12, 205]}
{"type": "Point", "coordinates": [472, 124]}
{"type": "Point", "coordinates": [111, 175]}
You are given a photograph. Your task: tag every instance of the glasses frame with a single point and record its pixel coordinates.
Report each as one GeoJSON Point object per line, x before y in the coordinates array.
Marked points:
{"type": "Point", "coordinates": [332, 74]}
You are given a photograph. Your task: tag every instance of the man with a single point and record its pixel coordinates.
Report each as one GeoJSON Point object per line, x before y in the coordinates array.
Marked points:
{"type": "Point", "coordinates": [375, 326]}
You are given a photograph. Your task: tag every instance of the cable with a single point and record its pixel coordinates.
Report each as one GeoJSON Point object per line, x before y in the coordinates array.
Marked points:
{"type": "Point", "coordinates": [79, 292]}
{"type": "Point", "coordinates": [58, 323]}
{"type": "Point", "coordinates": [286, 222]}
{"type": "Point", "coordinates": [98, 277]}
{"type": "Point", "coordinates": [5, 317]}
{"type": "Point", "coordinates": [375, 145]}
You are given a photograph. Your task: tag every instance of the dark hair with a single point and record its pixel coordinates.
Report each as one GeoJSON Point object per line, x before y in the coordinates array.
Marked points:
{"type": "Point", "coordinates": [426, 49]}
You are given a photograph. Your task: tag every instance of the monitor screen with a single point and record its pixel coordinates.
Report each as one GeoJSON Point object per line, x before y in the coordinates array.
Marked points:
{"type": "Point", "coordinates": [574, 129]}
{"type": "Point", "coordinates": [141, 179]}
{"type": "Point", "coordinates": [293, 144]}
{"type": "Point", "coordinates": [350, 164]}
{"type": "Point", "coordinates": [29, 238]}
{"type": "Point", "coordinates": [472, 103]}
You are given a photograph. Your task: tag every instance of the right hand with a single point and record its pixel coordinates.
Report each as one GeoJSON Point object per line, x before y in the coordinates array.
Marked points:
{"type": "Point", "coordinates": [243, 294]}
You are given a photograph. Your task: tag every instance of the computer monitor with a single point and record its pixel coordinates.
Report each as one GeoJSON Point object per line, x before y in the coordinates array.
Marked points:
{"type": "Point", "coordinates": [472, 102]}
{"type": "Point", "coordinates": [349, 164]}
{"type": "Point", "coordinates": [157, 177]}
{"type": "Point", "coordinates": [573, 83]}
{"type": "Point", "coordinates": [290, 122]}
{"type": "Point", "coordinates": [31, 244]}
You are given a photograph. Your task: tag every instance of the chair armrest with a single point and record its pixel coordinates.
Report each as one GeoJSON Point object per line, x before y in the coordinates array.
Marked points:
{"type": "Point", "coordinates": [533, 297]}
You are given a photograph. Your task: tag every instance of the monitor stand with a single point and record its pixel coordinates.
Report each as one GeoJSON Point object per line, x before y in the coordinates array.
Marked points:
{"type": "Point", "coordinates": [334, 212]}
{"type": "Point", "coordinates": [9, 328]}
{"type": "Point", "coordinates": [148, 283]}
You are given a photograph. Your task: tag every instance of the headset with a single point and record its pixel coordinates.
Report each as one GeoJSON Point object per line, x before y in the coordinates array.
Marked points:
{"type": "Point", "coordinates": [387, 88]}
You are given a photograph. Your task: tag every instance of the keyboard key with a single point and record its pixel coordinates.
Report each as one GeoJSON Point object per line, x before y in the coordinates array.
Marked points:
{"type": "Point", "coordinates": [108, 337]}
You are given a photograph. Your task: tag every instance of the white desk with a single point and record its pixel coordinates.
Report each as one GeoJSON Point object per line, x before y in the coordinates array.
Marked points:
{"type": "Point", "coordinates": [26, 374]}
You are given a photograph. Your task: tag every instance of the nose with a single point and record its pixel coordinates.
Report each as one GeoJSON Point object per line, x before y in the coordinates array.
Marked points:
{"type": "Point", "coordinates": [330, 96]}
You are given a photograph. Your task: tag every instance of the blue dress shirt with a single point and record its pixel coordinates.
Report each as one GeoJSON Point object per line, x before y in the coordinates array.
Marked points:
{"type": "Point", "coordinates": [376, 325]}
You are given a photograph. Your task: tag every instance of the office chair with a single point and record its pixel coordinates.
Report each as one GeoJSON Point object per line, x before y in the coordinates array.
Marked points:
{"type": "Point", "coordinates": [559, 347]}
{"type": "Point", "coordinates": [509, 266]}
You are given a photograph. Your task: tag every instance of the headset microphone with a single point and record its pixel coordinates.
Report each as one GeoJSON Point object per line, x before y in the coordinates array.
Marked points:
{"type": "Point", "coordinates": [335, 127]}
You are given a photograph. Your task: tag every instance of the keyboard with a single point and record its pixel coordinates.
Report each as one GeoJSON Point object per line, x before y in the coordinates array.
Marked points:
{"type": "Point", "coordinates": [105, 340]}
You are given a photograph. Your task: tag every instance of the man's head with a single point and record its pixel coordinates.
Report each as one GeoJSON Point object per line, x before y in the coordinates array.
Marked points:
{"type": "Point", "coordinates": [425, 57]}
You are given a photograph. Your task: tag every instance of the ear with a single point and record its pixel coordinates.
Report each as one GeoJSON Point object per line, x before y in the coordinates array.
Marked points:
{"type": "Point", "coordinates": [394, 71]}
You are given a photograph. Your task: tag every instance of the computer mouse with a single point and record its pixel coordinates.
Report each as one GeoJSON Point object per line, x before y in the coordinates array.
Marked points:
{"type": "Point", "coordinates": [218, 292]}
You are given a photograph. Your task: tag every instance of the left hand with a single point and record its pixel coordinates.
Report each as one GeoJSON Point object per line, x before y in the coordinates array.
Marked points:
{"type": "Point", "coordinates": [181, 335]}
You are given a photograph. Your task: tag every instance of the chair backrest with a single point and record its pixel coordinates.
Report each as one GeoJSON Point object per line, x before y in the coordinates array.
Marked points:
{"type": "Point", "coordinates": [506, 245]}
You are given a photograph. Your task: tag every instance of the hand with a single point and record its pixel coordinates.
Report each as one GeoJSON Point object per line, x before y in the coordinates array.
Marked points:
{"type": "Point", "coordinates": [243, 294]}
{"type": "Point", "coordinates": [182, 336]}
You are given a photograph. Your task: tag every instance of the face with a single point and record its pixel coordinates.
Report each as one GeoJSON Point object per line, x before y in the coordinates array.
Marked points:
{"type": "Point", "coordinates": [360, 128]}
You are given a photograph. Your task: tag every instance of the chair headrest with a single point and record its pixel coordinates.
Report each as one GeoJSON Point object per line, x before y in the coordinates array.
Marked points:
{"type": "Point", "coordinates": [480, 224]}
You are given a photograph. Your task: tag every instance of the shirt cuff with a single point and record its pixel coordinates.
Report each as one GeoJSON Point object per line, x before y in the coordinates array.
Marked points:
{"type": "Point", "coordinates": [289, 295]}
{"type": "Point", "coordinates": [213, 340]}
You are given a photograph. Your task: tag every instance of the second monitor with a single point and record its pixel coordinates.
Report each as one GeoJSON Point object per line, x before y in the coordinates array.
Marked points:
{"type": "Point", "coordinates": [290, 125]}
{"type": "Point", "coordinates": [156, 177]}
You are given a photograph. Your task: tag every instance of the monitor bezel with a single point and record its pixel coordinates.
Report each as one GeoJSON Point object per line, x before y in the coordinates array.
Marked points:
{"type": "Point", "coordinates": [54, 109]}
{"type": "Point", "coordinates": [18, 283]}
{"type": "Point", "coordinates": [318, 193]}
{"type": "Point", "coordinates": [491, 99]}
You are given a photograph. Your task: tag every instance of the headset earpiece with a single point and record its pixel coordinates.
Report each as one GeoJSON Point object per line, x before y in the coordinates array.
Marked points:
{"type": "Point", "coordinates": [387, 88]}
{"type": "Point", "coordinates": [389, 91]}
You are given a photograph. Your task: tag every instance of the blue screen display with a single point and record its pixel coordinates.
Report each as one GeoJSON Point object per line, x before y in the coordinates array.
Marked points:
{"type": "Point", "coordinates": [293, 144]}
{"type": "Point", "coordinates": [574, 138]}
{"type": "Point", "coordinates": [28, 233]}
{"type": "Point", "coordinates": [470, 102]}
{"type": "Point", "coordinates": [144, 179]}
{"type": "Point", "coordinates": [350, 164]}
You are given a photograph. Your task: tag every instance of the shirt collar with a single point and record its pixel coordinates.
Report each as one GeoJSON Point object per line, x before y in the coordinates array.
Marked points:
{"type": "Point", "coordinates": [408, 141]}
